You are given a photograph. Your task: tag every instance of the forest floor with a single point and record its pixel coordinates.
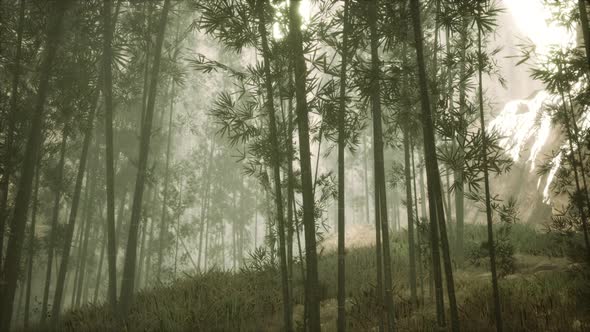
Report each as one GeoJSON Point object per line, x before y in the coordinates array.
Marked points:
{"type": "Point", "coordinates": [529, 269]}
{"type": "Point", "coordinates": [542, 292]}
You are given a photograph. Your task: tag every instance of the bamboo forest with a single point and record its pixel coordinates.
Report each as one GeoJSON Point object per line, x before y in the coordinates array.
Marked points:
{"type": "Point", "coordinates": [294, 165]}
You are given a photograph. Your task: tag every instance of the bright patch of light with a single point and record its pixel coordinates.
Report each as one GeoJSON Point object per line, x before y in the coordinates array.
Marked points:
{"type": "Point", "coordinates": [556, 162]}
{"type": "Point", "coordinates": [356, 236]}
{"type": "Point", "coordinates": [583, 124]}
{"type": "Point", "coordinates": [585, 119]}
{"type": "Point", "coordinates": [305, 11]}
{"type": "Point", "coordinates": [276, 31]}
{"type": "Point", "coordinates": [516, 125]}
{"type": "Point", "coordinates": [544, 128]}
{"type": "Point", "coordinates": [534, 21]}
{"type": "Point", "coordinates": [523, 124]}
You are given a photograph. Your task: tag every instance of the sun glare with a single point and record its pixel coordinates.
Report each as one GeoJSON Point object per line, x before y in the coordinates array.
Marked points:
{"type": "Point", "coordinates": [533, 20]}
{"type": "Point", "coordinates": [305, 9]}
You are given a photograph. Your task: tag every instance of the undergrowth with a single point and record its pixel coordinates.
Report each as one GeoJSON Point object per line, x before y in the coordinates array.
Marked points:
{"type": "Point", "coordinates": [250, 300]}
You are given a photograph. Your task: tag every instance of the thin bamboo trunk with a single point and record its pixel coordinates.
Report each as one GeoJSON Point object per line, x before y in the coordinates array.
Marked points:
{"type": "Point", "coordinates": [417, 221]}
{"type": "Point", "coordinates": [290, 181]}
{"type": "Point", "coordinates": [146, 71]}
{"type": "Point", "coordinates": [142, 236]}
{"type": "Point", "coordinates": [484, 156]}
{"type": "Point", "coordinates": [396, 222]}
{"type": "Point", "coordinates": [178, 228]}
{"type": "Point", "coordinates": [275, 161]}
{"type": "Point", "coordinates": [433, 177]}
{"type": "Point", "coordinates": [100, 263]}
{"type": "Point", "coordinates": [59, 291]}
{"type": "Point", "coordinates": [423, 197]}
{"type": "Point", "coordinates": [205, 207]}
{"type": "Point", "coordinates": [68, 274]}
{"type": "Point", "coordinates": [221, 236]}
{"type": "Point", "coordinates": [54, 223]}
{"type": "Point", "coordinates": [143, 248]}
{"type": "Point", "coordinates": [166, 179]}
{"type": "Point", "coordinates": [86, 288]}
{"type": "Point", "coordinates": [23, 195]}
{"type": "Point", "coordinates": [19, 306]}
{"type": "Point", "coordinates": [206, 250]}
{"type": "Point", "coordinates": [380, 191]}
{"type": "Point", "coordinates": [269, 236]}
{"type": "Point", "coordinates": [31, 246]}
{"type": "Point", "coordinates": [366, 178]}
{"type": "Point", "coordinates": [76, 242]}
{"type": "Point", "coordinates": [120, 215]}
{"type": "Point", "coordinates": [301, 263]}
{"type": "Point", "coordinates": [255, 220]}
{"type": "Point", "coordinates": [234, 235]}
{"type": "Point", "coordinates": [110, 168]}
{"type": "Point", "coordinates": [148, 260]}
{"type": "Point", "coordinates": [459, 186]}
{"type": "Point", "coordinates": [379, 263]}
{"type": "Point", "coordinates": [410, 212]}
{"type": "Point", "coordinates": [241, 232]}
{"type": "Point", "coordinates": [312, 290]}
{"type": "Point", "coordinates": [127, 285]}
{"type": "Point", "coordinates": [83, 257]}
{"type": "Point", "coordinates": [341, 321]}
{"type": "Point", "coordinates": [449, 90]}
{"type": "Point", "coordinates": [8, 144]}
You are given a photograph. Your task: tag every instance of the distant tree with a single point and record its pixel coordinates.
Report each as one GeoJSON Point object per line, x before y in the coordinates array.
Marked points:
{"type": "Point", "coordinates": [10, 128]}
{"type": "Point", "coordinates": [432, 171]}
{"type": "Point", "coordinates": [127, 286]}
{"type": "Point", "coordinates": [341, 174]}
{"type": "Point", "coordinates": [485, 15]}
{"type": "Point", "coordinates": [275, 158]}
{"type": "Point", "coordinates": [16, 239]}
{"type": "Point", "coordinates": [60, 285]}
{"type": "Point", "coordinates": [32, 247]}
{"type": "Point", "coordinates": [58, 191]}
{"type": "Point", "coordinates": [382, 225]}
{"type": "Point", "coordinates": [107, 92]}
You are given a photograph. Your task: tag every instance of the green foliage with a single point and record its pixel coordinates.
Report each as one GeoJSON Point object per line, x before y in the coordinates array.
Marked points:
{"type": "Point", "coordinates": [193, 303]}
{"type": "Point", "coordinates": [211, 182]}
{"type": "Point", "coordinates": [526, 239]}
{"type": "Point", "coordinates": [543, 302]}
{"type": "Point", "coordinates": [505, 261]}
{"type": "Point", "coordinates": [250, 299]}
{"type": "Point", "coordinates": [259, 261]}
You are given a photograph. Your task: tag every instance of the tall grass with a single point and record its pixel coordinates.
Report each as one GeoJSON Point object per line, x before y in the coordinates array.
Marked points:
{"type": "Point", "coordinates": [250, 300]}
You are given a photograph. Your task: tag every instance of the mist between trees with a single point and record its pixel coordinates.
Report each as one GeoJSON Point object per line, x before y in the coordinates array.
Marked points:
{"type": "Point", "coordinates": [303, 165]}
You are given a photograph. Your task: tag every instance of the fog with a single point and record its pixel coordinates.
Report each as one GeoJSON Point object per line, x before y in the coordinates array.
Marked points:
{"type": "Point", "coordinates": [294, 165]}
